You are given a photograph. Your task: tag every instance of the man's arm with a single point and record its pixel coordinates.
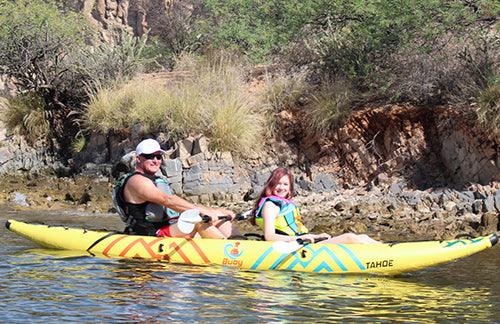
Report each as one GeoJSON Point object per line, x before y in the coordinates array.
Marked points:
{"type": "Point", "coordinates": [140, 189]}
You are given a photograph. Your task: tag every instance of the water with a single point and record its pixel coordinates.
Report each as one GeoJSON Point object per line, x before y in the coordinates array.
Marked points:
{"type": "Point", "coordinates": [41, 286]}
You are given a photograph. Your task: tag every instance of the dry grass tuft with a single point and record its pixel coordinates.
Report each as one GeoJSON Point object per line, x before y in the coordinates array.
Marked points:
{"type": "Point", "coordinates": [488, 112]}
{"type": "Point", "coordinates": [213, 101]}
{"type": "Point", "coordinates": [331, 105]}
{"type": "Point", "coordinates": [26, 114]}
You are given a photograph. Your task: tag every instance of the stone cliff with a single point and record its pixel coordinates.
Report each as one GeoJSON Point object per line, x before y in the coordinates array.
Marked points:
{"type": "Point", "coordinates": [428, 146]}
{"type": "Point", "coordinates": [137, 16]}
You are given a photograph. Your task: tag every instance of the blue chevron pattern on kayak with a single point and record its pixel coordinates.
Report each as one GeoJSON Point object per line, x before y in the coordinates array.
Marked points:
{"type": "Point", "coordinates": [315, 253]}
{"type": "Point", "coordinates": [354, 258]}
{"type": "Point", "coordinates": [464, 242]}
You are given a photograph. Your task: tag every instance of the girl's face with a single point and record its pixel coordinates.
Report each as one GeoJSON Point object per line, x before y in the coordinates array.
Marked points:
{"type": "Point", "coordinates": [282, 189]}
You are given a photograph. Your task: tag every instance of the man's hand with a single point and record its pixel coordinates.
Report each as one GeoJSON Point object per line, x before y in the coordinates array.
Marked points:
{"type": "Point", "coordinates": [214, 213]}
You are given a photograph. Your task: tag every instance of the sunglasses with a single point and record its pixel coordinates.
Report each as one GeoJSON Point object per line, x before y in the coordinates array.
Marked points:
{"type": "Point", "coordinates": [159, 157]}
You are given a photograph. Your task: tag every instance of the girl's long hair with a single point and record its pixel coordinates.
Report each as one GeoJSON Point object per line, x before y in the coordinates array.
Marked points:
{"type": "Point", "coordinates": [271, 184]}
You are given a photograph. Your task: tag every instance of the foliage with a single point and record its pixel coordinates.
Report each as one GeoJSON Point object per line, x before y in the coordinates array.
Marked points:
{"type": "Point", "coordinates": [326, 105]}
{"type": "Point", "coordinates": [453, 71]}
{"type": "Point", "coordinates": [43, 49]}
{"type": "Point", "coordinates": [36, 38]}
{"type": "Point", "coordinates": [257, 28]}
{"type": "Point", "coordinates": [354, 38]}
{"type": "Point", "coordinates": [116, 61]}
{"type": "Point", "coordinates": [78, 144]}
{"type": "Point", "coordinates": [181, 29]}
{"type": "Point", "coordinates": [368, 41]}
{"type": "Point", "coordinates": [283, 90]}
{"type": "Point", "coordinates": [331, 105]}
{"type": "Point", "coordinates": [213, 101]}
{"type": "Point", "coordinates": [479, 55]}
{"type": "Point", "coordinates": [36, 42]}
{"type": "Point", "coordinates": [427, 51]}
{"type": "Point", "coordinates": [26, 114]}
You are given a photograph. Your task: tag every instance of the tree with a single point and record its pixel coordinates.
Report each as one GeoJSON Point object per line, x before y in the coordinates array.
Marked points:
{"type": "Point", "coordinates": [36, 41]}
{"type": "Point", "coordinates": [36, 38]}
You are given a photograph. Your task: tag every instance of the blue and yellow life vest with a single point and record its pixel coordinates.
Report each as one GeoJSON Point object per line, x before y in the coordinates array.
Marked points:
{"type": "Point", "coordinates": [288, 220]}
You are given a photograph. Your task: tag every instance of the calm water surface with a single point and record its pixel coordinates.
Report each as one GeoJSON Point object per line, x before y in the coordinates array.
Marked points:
{"type": "Point", "coordinates": [42, 286]}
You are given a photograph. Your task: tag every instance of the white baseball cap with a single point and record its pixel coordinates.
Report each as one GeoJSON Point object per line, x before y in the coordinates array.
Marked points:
{"type": "Point", "coordinates": [148, 146]}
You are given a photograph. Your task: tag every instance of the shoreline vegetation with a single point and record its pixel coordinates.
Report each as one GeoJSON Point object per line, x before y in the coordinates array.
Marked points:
{"type": "Point", "coordinates": [244, 70]}
{"type": "Point", "coordinates": [398, 105]}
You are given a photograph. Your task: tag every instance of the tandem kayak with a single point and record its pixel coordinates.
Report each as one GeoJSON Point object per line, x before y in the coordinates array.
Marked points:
{"type": "Point", "coordinates": [383, 259]}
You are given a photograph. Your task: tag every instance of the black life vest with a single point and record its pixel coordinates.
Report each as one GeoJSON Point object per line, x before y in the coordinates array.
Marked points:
{"type": "Point", "coordinates": [145, 218]}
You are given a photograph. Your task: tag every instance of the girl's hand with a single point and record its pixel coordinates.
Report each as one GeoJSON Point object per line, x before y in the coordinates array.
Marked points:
{"type": "Point", "coordinates": [308, 237]}
{"type": "Point", "coordinates": [323, 236]}
{"type": "Point", "coordinates": [315, 237]}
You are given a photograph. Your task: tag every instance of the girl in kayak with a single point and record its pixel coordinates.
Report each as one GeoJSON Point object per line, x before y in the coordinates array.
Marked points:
{"type": "Point", "coordinates": [280, 218]}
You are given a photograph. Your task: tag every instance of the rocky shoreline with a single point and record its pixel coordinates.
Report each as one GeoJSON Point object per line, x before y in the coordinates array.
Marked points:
{"type": "Point", "coordinates": [385, 212]}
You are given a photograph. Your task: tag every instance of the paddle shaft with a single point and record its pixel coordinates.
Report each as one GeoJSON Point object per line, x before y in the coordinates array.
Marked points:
{"type": "Point", "coordinates": [207, 219]}
{"type": "Point", "coordinates": [307, 241]}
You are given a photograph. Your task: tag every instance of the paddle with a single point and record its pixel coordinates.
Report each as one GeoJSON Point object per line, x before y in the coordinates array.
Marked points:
{"type": "Point", "coordinates": [189, 218]}
{"type": "Point", "coordinates": [286, 247]}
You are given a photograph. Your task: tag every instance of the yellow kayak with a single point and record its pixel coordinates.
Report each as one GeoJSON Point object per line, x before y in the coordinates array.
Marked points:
{"type": "Point", "coordinates": [382, 259]}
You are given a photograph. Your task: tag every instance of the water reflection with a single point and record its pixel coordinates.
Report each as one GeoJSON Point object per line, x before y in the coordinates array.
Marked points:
{"type": "Point", "coordinates": [154, 291]}
{"type": "Point", "coordinates": [40, 285]}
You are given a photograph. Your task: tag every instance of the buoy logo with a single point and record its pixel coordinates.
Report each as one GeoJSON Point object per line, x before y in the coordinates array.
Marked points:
{"type": "Point", "coordinates": [233, 251]}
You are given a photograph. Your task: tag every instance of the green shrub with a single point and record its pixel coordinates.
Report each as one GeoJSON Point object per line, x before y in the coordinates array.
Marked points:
{"type": "Point", "coordinates": [359, 40]}
{"type": "Point", "coordinates": [36, 38]}
{"type": "Point", "coordinates": [259, 29]}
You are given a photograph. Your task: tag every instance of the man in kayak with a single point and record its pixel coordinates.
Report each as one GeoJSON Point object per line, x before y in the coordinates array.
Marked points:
{"type": "Point", "coordinates": [140, 189]}
{"type": "Point", "coordinates": [280, 218]}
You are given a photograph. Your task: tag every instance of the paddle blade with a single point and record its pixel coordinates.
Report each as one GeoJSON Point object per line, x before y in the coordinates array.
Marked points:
{"type": "Point", "coordinates": [188, 219]}
{"type": "Point", "coordinates": [286, 247]}
{"type": "Point", "coordinates": [292, 246]}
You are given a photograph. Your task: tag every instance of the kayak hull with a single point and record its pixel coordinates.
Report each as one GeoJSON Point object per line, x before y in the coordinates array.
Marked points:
{"type": "Point", "coordinates": [382, 259]}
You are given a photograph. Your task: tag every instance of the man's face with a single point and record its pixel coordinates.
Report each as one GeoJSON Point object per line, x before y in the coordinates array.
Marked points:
{"type": "Point", "coordinates": [149, 163]}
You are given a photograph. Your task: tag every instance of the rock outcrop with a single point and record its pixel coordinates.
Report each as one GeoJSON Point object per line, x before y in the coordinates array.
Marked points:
{"type": "Point", "coordinates": [136, 16]}
{"type": "Point", "coordinates": [428, 146]}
